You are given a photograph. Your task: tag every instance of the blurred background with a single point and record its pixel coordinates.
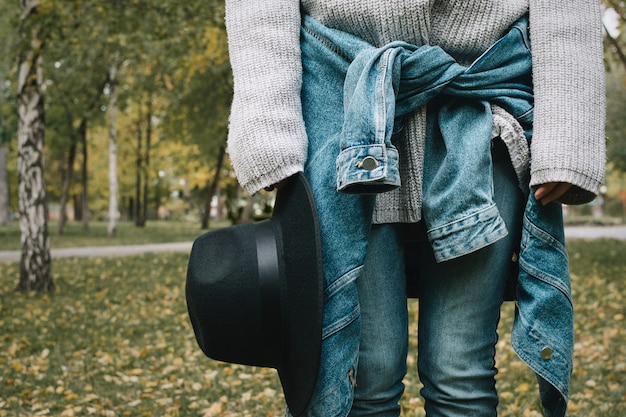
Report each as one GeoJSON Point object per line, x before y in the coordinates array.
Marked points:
{"type": "Point", "coordinates": [147, 84]}
{"type": "Point", "coordinates": [116, 111]}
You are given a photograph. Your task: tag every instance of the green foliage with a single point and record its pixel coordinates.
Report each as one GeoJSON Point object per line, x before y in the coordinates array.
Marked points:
{"type": "Point", "coordinates": [115, 340]}
{"type": "Point", "coordinates": [172, 57]}
{"type": "Point", "coordinates": [128, 234]}
{"type": "Point", "coordinates": [616, 123]}
{"type": "Point", "coordinates": [615, 58]}
{"type": "Point", "coordinates": [8, 37]}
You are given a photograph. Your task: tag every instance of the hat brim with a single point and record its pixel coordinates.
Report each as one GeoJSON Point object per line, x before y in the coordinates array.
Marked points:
{"type": "Point", "coordinates": [296, 213]}
{"type": "Point", "coordinates": [254, 293]}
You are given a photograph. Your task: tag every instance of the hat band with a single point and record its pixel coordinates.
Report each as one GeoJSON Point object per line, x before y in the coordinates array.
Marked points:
{"type": "Point", "coordinates": [269, 286]}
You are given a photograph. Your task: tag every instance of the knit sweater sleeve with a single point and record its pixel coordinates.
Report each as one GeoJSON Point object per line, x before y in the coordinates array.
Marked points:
{"type": "Point", "coordinates": [568, 142]}
{"type": "Point", "coordinates": [266, 141]}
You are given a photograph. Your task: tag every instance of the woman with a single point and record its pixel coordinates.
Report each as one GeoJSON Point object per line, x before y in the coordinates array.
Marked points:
{"type": "Point", "coordinates": [393, 112]}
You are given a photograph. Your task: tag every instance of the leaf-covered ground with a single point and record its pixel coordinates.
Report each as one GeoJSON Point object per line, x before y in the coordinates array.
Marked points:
{"type": "Point", "coordinates": [114, 340]}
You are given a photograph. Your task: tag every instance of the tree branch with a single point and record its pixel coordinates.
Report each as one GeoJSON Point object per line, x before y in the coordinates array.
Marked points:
{"type": "Point", "coordinates": [615, 44]}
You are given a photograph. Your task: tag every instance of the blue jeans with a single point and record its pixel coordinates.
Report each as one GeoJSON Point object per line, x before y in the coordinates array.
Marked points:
{"type": "Point", "coordinates": [345, 230]}
{"type": "Point", "coordinates": [459, 309]}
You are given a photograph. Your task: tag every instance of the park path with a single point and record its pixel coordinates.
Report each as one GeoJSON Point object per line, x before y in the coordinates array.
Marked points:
{"type": "Point", "coordinates": [572, 232]}
{"type": "Point", "coordinates": [101, 251]}
{"type": "Point", "coordinates": [595, 232]}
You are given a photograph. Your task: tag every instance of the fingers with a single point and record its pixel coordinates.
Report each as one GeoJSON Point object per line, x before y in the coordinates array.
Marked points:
{"type": "Point", "coordinates": [551, 191]}
{"type": "Point", "coordinates": [276, 186]}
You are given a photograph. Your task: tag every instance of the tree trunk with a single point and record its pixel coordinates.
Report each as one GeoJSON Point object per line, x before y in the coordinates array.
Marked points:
{"type": "Point", "coordinates": [246, 214]}
{"type": "Point", "coordinates": [212, 190]}
{"type": "Point", "coordinates": [617, 49]}
{"type": "Point", "coordinates": [78, 214]}
{"type": "Point", "coordinates": [146, 162]}
{"type": "Point", "coordinates": [35, 265]}
{"type": "Point", "coordinates": [131, 208]}
{"type": "Point", "coordinates": [65, 188]}
{"type": "Point", "coordinates": [84, 202]}
{"type": "Point", "coordinates": [113, 186]}
{"type": "Point", "coordinates": [4, 183]}
{"type": "Point", "coordinates": [69, 171]}
{"type": "Point", "coordinates": [139, 219]}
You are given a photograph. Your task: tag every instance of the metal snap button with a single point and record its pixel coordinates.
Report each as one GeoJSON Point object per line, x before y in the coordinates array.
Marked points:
{"type": "Point", "coordinates": [546, 353]}
{"type": "Point", "coordinates": [368, 163]}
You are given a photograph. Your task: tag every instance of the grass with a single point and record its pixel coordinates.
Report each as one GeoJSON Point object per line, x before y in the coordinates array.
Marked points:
{"type": "Point", "coordinates": [114, 340]}
{"type": "Point", "coordinates": [127, 234]}
{"type": "Point", "coordinates": [160, 231]}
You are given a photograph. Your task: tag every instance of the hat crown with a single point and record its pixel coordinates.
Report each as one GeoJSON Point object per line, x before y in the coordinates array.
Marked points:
{"type": "Point", "coordinates": [235, 328]}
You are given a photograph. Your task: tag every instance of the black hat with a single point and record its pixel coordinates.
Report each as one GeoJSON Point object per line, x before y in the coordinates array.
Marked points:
{"type": "Point", "coordinates": [254, 292]}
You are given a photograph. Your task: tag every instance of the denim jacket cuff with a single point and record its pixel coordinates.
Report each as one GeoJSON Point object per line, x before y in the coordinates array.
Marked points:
{"type": "Point", "coordinates": [368, 169]}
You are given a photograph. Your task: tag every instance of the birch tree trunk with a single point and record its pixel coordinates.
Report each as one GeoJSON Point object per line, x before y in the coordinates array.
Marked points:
{"type": "Point", "coordinates": [35, 269]}
{"type": "Point", "coordinates": [113, 185]}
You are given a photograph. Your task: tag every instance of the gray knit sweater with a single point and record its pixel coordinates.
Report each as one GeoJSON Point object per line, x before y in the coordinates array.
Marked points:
{"type": "Point", "coordinates": [267, 139]}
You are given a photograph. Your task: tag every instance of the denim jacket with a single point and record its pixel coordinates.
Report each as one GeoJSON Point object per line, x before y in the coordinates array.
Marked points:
{"type": "Point", "coordinates": [400, 78]}
{"type": "Point", "coordinates": [383, 85]}
{"type": "Point", "coordinates": [543, 330]}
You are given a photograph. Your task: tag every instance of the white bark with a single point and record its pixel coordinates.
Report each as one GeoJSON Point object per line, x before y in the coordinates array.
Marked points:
{"type": "Point", "coordinates": [35, 271]}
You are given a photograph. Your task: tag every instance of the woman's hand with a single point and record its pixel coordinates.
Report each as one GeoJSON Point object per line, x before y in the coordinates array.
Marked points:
{"type": "Point", "coordinates": [277, 186]}
{"type": "Point", "coordinates": [550, 191]}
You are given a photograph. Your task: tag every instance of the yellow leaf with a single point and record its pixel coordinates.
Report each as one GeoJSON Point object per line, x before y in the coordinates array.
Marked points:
{"type": "Point", "coordinates": [269, 393]}
{"type": "Point", "coordinates": [136, 371]}
{"type": "Point", "coordinates": [214, 410]}
{"type": "Point", "coordinates": [523, 388]}
{"type": "Point", "coordinates": [17, 367]}
{"type": "Point", "coordinates": [70, 396]}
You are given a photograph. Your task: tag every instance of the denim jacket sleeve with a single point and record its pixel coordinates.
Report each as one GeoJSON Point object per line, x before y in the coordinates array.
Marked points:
{"type": "Point", "coordinates": [267, 141]}
{"type": "Point", "coordinates": [543, 330]}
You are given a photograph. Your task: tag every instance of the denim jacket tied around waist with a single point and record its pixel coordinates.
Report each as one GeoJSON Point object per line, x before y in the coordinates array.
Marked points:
{"type": "Point", "coordinates": [382, 86]}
